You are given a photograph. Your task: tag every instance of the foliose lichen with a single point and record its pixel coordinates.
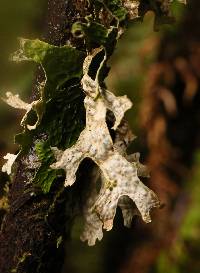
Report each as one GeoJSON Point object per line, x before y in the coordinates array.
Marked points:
{"type": "Point", "coordinates": [74, 85]}
{"type": "Point", "coordinates": [119, 176]}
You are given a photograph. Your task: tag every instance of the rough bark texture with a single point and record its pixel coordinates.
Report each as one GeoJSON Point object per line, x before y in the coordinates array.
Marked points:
{"type": "Point", "coordinates": [31, 228]}
{"type": "Point", "coordinates": [171, 122]}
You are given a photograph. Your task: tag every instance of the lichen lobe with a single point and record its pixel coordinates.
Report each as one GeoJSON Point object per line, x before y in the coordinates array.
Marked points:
{"type": "Point", "coordinates": [7, 167]}
{"type": "Point", "coordinates": [16, 102]}
{"type": "Point", "coordinates": [119, 177]}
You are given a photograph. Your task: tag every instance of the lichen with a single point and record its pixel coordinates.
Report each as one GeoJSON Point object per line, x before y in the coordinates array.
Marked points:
{"type": "Point", "coordinates": [59, 64]}
{"type": "Point", "coordinates": [60, 131]}
{"type": "Point", "coordinates": [120, 177]}
{"type": "Point", "coordinates": [60, 127]}
{"type": "Point", "coordinates": [16, 102]}
{"type": "Point", "coordinates": [7, 167]}
{"type": "Point", "coordinates": [93, 224]}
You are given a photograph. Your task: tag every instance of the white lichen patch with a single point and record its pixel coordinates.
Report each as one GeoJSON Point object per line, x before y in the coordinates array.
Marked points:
{"type": "Point", "coordinates": [125, 182]}
{"type": "Point", "coordinates": [120, 178]}
{"type": "Point", "coordinates": [7, 167]}
{"type": "Point", "coordinates": [16, 102]}
{"type": "Point", "coordinates": [91, 87]}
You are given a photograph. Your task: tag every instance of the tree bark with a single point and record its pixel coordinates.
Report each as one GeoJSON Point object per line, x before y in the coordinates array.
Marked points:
{"type": "Point", "coordinates": [31, 229]}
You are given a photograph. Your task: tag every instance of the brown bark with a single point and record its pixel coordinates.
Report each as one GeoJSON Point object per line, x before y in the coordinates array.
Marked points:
{"type": "Point", "coordinates": [31, 228]}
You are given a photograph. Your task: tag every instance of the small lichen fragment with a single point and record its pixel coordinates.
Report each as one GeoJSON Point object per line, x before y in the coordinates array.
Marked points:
{"type": "Point", "coordinates": [16, 102]}
{"type": "Point", "coordinates": [7, 167]}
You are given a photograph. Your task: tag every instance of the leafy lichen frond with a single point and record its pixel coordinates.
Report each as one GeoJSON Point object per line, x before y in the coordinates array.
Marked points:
{"type": "Point", "coordinates": [93, 224]}
{"type": "Point", "coordinates": [7, 167]}
{"type": "Point", "coordinates": [120, 177]}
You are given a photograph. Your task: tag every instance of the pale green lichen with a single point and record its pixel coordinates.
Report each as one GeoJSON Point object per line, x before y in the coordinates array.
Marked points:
{"type": "Point", "coordinates": [96, 143]}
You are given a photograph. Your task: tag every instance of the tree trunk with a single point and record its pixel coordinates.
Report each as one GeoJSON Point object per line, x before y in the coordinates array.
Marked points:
{"type": "Point", "coordinates": [31, 229]}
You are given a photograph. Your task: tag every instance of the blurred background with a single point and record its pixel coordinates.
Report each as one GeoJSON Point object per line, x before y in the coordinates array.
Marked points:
{"type": "Point", "coordinates": [159, 71]}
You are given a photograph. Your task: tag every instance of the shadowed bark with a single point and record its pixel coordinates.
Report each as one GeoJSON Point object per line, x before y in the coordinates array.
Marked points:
{"type": "Point", "coordinates": [32, 227]}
